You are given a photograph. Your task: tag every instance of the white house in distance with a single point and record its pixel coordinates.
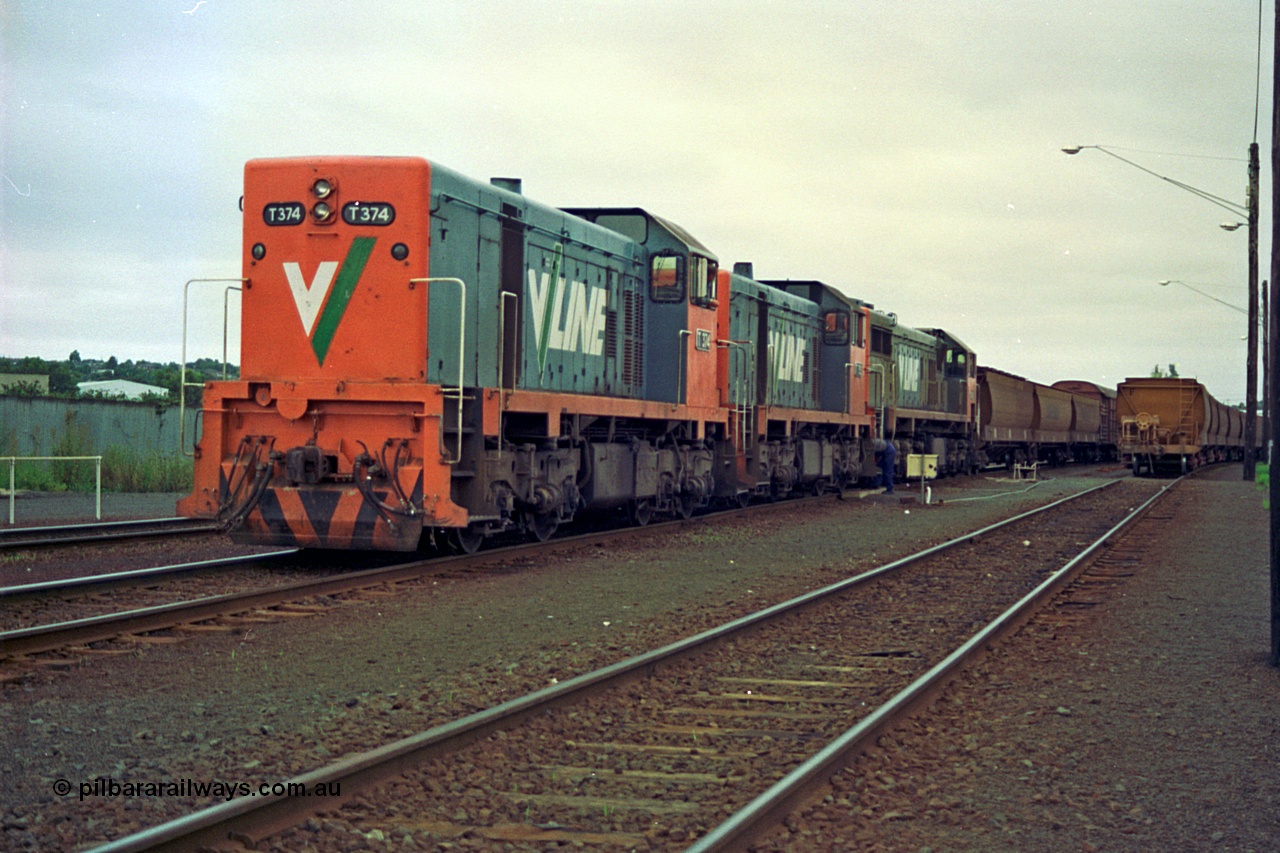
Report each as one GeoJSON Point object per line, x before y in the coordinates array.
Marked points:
{"type": "Point", "coordinates": [121, 388]}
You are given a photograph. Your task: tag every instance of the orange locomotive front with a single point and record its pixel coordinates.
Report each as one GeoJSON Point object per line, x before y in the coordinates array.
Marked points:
{"type": "Point", "coordinates": [332, 436]}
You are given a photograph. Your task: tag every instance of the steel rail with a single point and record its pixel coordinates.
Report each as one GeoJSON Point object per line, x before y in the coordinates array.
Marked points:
{"type": "Point", "coordinates": [752, 822]}
{"type": "Point", "coordinates": [120, 578]}
{"type": "Point", "coordinates": [254, 818]}
{"type": "Point", "coordinates": [32, 537]}
{"type": "Point", "coordinates": [44, 638]}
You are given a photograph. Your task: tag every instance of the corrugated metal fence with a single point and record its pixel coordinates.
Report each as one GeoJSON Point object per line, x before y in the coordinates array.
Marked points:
{"type": "Point", "coordinates": [32, 426]}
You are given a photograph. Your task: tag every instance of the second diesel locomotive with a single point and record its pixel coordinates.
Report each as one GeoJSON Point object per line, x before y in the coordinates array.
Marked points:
{"type": "Point", "coordinates": [431, 359]}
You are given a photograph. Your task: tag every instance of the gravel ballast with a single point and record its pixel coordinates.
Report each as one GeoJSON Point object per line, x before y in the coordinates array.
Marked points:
{"type": "Point", "coordinates": [280, 698]}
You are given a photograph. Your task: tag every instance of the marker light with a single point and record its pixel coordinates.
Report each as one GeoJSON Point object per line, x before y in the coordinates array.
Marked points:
{"type": "Point", "coordinates": [399, 251]}
{"type": "Point", "coordinates": [259, 251]}
{"type": "Point", "coordinates": [321, 188]}
{"type": "Point", "coordinates": [321, 212]}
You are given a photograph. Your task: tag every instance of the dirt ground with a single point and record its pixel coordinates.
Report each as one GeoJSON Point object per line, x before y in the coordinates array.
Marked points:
{"type": "Point", "coordinates": [273, 700]}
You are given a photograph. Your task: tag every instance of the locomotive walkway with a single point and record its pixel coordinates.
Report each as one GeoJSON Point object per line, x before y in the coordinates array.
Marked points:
{"type": "Point", "coordinates": [1148, 720]}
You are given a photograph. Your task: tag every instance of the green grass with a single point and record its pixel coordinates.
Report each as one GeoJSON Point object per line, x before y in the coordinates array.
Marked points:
{"type": "Point", "coordinates": [123, 470]}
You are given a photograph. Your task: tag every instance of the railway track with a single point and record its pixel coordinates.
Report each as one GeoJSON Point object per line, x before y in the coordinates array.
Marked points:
{"type": "Point", "coordinates": [659, 750]}
{"type": "Point", "coordinates": [75, 534]}
{"type": "Point", "coordinates": [63, 644]}
{"type": "Point", "coordinates": [54, 624]}
{"type": "Point", "coordinates": [131, 577]}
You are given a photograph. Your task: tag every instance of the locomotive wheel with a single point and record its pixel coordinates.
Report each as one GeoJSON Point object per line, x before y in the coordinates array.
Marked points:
{"type": "Point", "coordinates": [466, 540]}
{"type": "Point", "coordinates": [685, 505]}
{"type": "Point", "coordinates": [543, 526]}
{"type": "Point", "coordinates": [640, 511]}
{"type": "Point", "coordinates": [744, 498]}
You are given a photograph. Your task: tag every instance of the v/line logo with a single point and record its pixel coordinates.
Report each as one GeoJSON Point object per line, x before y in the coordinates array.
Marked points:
{"type": "Point", "coordinates": [320, 326]}
{"type": "Point", "coordinates": [568, 316]}
{"type": "Point", "coordinates": [788, 356]}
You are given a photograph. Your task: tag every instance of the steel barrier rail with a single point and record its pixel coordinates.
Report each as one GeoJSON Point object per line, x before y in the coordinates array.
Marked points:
{"type": "Point", "coordinates": [13, 461]}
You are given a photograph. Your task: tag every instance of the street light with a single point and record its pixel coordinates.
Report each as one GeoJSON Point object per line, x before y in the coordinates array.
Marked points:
{"type": "Point", "coordinates": [1250, 211]}
{"type": "Point", "coordinates": [1168, 282]}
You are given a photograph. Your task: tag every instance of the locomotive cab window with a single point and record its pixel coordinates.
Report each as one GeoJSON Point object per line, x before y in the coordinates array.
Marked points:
{"type": "Point", "coordinates": [881, 340]}
{"type": "Point", "coordinates": [666, 278]}
{"type": "Point", "coordinates": [835, 328]}
{"type": "Point", "coordinates": [702, 281]}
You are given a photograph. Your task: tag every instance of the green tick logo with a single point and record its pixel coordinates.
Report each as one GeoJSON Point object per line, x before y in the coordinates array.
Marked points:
{"type": "Point", "coordinates": [320, 327]}
{"type": "Point", "coordinates": [544, 304]}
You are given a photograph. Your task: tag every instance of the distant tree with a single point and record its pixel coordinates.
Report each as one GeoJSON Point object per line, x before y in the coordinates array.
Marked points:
{"type": "Point", "coordinates": [62, 379]}
{"type": "Point", "coordinates": [74, 358]}
{"type": "Point", "coordinates": [31, 364]}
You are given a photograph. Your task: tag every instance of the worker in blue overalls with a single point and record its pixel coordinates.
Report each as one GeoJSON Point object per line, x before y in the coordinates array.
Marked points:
{"type": "Point", "coordinates": [888, 456]}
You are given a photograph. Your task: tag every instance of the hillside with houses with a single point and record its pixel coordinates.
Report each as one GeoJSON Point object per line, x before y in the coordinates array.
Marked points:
{"type": "Point", "coordinates": [78, 378]}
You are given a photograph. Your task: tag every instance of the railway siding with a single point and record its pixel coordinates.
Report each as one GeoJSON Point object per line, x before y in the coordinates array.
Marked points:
{"type": "Point", "coordinates": [1138, 713]}
{"type": "Point", "coordinates": [781, 720]}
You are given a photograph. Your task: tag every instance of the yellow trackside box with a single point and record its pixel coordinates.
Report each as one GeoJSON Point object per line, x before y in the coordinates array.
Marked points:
{"type": "Point", "coordinates": [922, 462]}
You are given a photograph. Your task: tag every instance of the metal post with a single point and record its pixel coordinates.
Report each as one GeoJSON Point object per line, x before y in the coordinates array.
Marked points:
{"type": "Point", "coordinates": [1264, 323]}
{"type": "Point", "coordinates": [13, 461]}
{"type": "Point", "coordinates": [1274, 326]}
{"type": "Point", "coordinates": [97, 511]}
{"type": "Point", "coordinates": [1273, 321]}
{"type": "Point", "coordinates": [1251, 368]}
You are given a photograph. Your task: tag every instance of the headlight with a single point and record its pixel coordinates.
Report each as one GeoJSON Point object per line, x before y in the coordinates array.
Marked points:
{"type": "Point", "coordinates": [321, 212]}
{"type": "Point", "coordinates": [322, 188]}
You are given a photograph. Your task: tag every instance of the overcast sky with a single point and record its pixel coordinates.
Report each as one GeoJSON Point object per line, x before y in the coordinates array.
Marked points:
{"type": "Point", "coordinates": [906, 152]}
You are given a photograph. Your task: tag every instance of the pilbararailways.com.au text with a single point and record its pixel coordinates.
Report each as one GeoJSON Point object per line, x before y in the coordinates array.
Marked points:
{"type": "Point", "coordinates": [109, 787]}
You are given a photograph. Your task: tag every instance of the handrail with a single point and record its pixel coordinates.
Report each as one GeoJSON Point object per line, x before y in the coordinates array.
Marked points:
{"type": "Point", "coordinates": [744, 405]}
{"type": "Point", "coordinates": [875, 368]}
{"type": "Point", "coordinates": [502, 357]}
{"type": "Point", "coordinates": [680, 365]}
{"type": "Point", "coordinates": [771, 370]}
{"type": "Point", "coordinates": [462, 350]}
{"type": "Point", "coordinates": [226, 310]}
{"type": "Point", "coordinates": [182, 368]}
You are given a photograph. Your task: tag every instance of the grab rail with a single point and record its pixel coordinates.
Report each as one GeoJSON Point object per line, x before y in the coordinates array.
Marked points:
{"type": "Point", "coordinates": [182, 369]}
{"type": "Point", "coordinates": [462, 350]}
